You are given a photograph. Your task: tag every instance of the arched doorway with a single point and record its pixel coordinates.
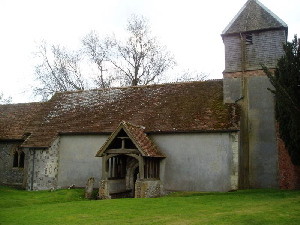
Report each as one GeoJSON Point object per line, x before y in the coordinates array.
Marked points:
{"type": "Point", "coordinates": [132, 174]}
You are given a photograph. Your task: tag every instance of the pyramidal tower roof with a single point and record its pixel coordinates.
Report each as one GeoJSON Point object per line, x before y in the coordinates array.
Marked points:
{"type": "Point", "coordinates": [253, 16]}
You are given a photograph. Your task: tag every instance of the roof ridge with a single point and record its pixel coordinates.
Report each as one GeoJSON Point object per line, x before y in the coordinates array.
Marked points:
{"type": "Point", "coordinates": [20, 104]}
{"type": "Point", "coordinates": [235, 17]}
{"type": "Point", "coordinates": [271, 13]}
{"type": "Point", "coordinates": [139, 86]}
{"type": "Point", "coordinates": [133, 125]}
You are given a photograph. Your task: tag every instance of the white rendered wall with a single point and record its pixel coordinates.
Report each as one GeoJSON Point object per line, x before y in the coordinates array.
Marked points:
{"type": "Point", "coordinates": [194, 162]}
{"type": "Point", "coordinates": [77, 161]}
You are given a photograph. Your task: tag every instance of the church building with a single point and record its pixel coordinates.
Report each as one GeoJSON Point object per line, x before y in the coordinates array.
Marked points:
{"type": "Point", "coordinates": [145, 141]}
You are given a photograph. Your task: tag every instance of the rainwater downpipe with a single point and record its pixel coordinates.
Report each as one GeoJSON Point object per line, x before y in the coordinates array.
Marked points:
{"type": "Point", "coordinates": [32, 172]}
{"type": "Point", "coordinates": [245, 103]}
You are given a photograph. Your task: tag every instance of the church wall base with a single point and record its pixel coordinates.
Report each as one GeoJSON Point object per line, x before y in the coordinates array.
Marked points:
{"type": "Point", "coordinates": [103, 190]}
{"type": "Point", "coordinates": [148, 189]}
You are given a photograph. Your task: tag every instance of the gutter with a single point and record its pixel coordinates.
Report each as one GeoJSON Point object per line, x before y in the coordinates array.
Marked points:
{"type": "Point", "coordinates": [193, 131]}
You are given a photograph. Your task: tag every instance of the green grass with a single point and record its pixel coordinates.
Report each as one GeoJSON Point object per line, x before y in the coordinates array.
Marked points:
{"type": "Point", "coordinates": [68, 207]}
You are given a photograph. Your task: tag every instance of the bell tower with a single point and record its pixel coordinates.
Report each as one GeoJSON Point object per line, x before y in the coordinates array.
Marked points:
{"type": "Point", "coordinates": [254, 38]}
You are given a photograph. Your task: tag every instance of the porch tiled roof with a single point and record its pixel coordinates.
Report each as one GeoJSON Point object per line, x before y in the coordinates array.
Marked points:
{"type": "Point", "coordinates": [143, 141]}
{"type": "Point", "coordinates": [137, 133]}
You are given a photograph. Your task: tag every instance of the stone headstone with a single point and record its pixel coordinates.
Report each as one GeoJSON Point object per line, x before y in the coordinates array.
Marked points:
{"type": "Point", "coordinates": [89, 187]}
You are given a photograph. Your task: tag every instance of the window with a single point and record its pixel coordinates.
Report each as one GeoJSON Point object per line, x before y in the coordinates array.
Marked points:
{"type": "Point", "coordinates": [248, 39]}
{"type": "Point", "coordinates": [21, 160]}
{"type": "Point", "coordinates": [18, 159]}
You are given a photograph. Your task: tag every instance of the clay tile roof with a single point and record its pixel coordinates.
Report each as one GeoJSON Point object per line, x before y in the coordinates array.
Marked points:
{"type": "Point", "coordinates": [138, 136]}
{"type": "Point", "coordinates": [177, 107]}
{"type": "Point", "coordinates": [14, 119]}
{"type": "Point", "coordinates": [145, 144]}
{"type": "Point", "coordinates": [254, 16]}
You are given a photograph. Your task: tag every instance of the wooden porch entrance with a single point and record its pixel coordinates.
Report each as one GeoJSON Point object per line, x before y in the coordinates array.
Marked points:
{"type": "Point", "coordinates": [130, 164]}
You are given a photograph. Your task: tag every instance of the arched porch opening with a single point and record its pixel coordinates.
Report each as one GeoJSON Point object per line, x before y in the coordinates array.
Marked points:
{"type": "Point", "coordinates": [122, 171]}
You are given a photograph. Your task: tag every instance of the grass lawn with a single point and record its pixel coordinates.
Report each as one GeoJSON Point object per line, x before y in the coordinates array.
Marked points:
{"type": "Point", "coordinates": [68, 207]}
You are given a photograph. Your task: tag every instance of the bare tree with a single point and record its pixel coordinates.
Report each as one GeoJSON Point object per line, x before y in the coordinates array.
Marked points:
{"type": "Point", "coordinates": [58, 70]}
{"type": "Point", "coordinates": [141, 59]}
{"type": "Point", "coordinates": [188, 75]}
{"type": "Point", "coordinates": [138, 60]}
{"type": "Point", "coordinates": [99, 52]}
{"type": "Point", "coordinates": [4, 100]}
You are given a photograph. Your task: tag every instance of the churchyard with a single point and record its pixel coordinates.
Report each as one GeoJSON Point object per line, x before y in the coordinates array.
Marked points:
{"type": "Point", "coordinates": [68, 206]}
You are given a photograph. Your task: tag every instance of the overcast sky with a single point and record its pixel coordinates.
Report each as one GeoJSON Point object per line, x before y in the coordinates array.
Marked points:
{"type": "Point", "coordinates": [189, 28]}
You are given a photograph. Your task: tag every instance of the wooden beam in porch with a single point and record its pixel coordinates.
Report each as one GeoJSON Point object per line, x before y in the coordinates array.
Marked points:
{"type": "Point", "coordinates": [122, 151]}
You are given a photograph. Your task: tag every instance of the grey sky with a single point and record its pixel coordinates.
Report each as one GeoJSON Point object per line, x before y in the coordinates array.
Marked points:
{"type": "Point", "coordinates": [190, 29]}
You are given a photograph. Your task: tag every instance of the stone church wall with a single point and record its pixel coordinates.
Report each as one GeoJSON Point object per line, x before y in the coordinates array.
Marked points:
{"type": "Point", "coordinates": [262, 135]}
{"type": "Point", "coordinates": [261, 158]}
{"type": "Point", "coordinates": [43, 169]}
{"type": "Point", "coordinates": [10, 175]}
{"type": "Point", "coordinates": [148, 189]}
